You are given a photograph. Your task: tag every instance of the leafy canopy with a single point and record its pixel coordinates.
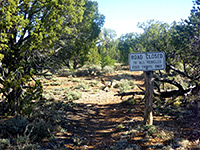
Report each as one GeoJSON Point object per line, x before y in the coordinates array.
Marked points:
{"type": "Point", "coordinates": [28, 29]}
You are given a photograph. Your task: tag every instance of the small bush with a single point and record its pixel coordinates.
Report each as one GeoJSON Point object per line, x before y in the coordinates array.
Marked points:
{"type": "Point", "coordinates": [123, 85]}
{"type": "Point", "coordinates": [20, 140]}
{"type": "Point", "coordinates": [64, 72]}
{"type": "Point", "coordinates": [150, 130]}
{"type": "Point", "coordinates": [4, 144]}
{"type": "Point", "coordinates": [14, 126]}
{"type": "Point", "coordinates": [132, 84]}
{"type": "Point", "coordinates": [39, 130]}
{"type": "Point", "coordinates": [48, 96]}
{"type": "Point", "coordinates": [120, 126]}
{"type": "Point", "coordinates": [94, 70]}
{"type": "Point", "coordinates": [76, 80]}
{"type": "Point", "coordinates": [81, 72]}
{"type": "Point", "coordinates": [94, 83]}
{"type": "Point", "coordinates": [57, 92]}
{"type": "Point", "coordinates": [108, 69]}
{"type": "Point", "coordinates": [107, 61]}
{"type": "Point", "coordinates": [83, 87]}
{"type": "Point", "coordinates": [72, 95]}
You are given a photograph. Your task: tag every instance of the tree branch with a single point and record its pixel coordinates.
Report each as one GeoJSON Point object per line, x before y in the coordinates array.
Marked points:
{"type": "Point", "coordinates": [171, 82]}
{"type": "Point", "coordinates": [129, 93]}
{"type": "Point", "coordinates": [181, 73]}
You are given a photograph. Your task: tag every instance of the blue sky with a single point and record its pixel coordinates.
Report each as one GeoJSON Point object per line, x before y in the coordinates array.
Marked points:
{"type": "Point", "coordinates": [124, 15]}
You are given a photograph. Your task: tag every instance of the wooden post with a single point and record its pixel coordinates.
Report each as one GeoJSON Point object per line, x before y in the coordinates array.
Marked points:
{"type": "Point", "coordinates": [148, 114]}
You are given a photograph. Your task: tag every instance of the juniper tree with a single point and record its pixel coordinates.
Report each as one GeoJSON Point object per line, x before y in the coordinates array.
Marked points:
{"type": "Point", "coordinates": [28, 29]}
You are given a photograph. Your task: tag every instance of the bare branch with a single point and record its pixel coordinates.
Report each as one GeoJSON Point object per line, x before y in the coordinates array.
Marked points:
{"type": "Point", "coordinates": [171, 82]}
{"type": "Point", "coordinates": [181, 72]}
{"type": "Point", "coordinates": [129, 93]}
{"type": "Point", "coordinates": [140, 87]}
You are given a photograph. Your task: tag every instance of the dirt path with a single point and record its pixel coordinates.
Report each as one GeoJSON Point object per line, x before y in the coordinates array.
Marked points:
{"type": "Point", "coordinates": [94, 126]}
{"type": "Point", "coordinates": [100, 120]}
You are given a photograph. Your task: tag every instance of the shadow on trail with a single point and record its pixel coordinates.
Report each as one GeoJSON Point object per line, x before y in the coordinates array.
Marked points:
{"type": "Point", "coordinates": [96, 125]}
{"type": "Point", "coordinates": [93, 126]}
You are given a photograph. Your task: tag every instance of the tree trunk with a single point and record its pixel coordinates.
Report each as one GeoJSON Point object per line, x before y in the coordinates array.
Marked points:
{"type": "Point", "coordinates": [148, 115]}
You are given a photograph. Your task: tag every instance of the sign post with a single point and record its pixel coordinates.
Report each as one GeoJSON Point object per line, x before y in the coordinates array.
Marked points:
{"type": "Point", "coordinates": [147, 62]}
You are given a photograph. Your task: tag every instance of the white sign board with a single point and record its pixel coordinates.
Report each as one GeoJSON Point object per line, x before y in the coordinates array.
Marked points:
{"type": "Point", "coordinates": [147, 61]}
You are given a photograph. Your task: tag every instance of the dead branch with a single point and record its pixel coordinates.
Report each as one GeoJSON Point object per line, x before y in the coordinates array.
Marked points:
{"type": "Point", "coordinates": [140, 87]}
{"type": "Point", "coordinates": [182, 73]}
{"type": "Point", "coordinates": [170, 82]}
{"type": "Point", "coordinates": [167, 94]}
{"type": "Point", "coordinates": [129, 93]}
{"type": "Point", "coordinates": [109, 85]}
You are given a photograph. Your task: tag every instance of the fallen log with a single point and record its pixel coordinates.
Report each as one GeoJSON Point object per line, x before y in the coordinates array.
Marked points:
{"type": "Point", "coordinates": [129, 93]}
{"type": "Point", "coordinates": [167, 94]}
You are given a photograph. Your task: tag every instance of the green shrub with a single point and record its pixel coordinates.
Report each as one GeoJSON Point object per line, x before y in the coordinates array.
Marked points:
{"type": "Point", "coordinates": [120, 126]}
{"type": "Point", "coordinates": [4, 144]}
{"type": "Point", "coordinates": [48, 96]}
{"type": "Point", "coordinates": [94, 70]}
{"type": "Point", "coordinates": [150, 130]}
{"type": "Point", "coordinates": [83, 87]}
{"type": "Point", "coordinates": [76, 80]}
{"type": "Point", "coordinates": [94, 83]}
{"type": "Point", "coordinates": [123, 85]}
{"type": "Point", "coordinates": [72, 95]}
{"type": "Point", "coordinates": [64, 72]}
{"type": "Point", "coordinates": [14, 126]}
{"type": "Point", "coordinates": [39, 130]}
{"type": "Point", "coordinates": [132, 84]}
{"type": "Point", "coordinates": [57, 92]}
{"type": "Point", "coordinates": [108, 69]}
{"type": "Point", "coordinates": [22, 140]}
{"type": "Point", "coordinates": [107, 61]}
{"type": "Point", "coordinates": [82, 72]}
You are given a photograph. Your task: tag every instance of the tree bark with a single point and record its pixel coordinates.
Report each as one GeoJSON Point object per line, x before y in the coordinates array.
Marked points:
{"type": "Point", "coordinates": [148, 114]}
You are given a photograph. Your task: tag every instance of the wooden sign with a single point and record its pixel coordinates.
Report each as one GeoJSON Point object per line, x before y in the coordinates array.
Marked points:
{"type": "Point", "coordinates": [147, 61]}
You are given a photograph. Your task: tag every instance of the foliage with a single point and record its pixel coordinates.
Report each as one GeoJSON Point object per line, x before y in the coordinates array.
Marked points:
{"type": "Point", "coordinates": [94, 69]}
{"type": "Point", "coordinates": [156, 36]}
{"type": "Point", "coordinates": [94, 57]}
{"type": "Point", "coordinates": [150, 130]}
{"type": "Point", "coordinates": [21, 133]}
{"type": "Point", "coordinates": [107, 47]}
{"type": "Point", "coordinates": [108, 69]}
{"type": "Point", "coordinates": [127, 45]}
{"type": "Point", "coordinates": [4, 143]}
{"type": "Point", "coordinates": [78, 47]}
{"type": "Point", "coordinates": [186, 42]}
{"type": "Point", "coordinates": [124, 85]}
{"type": "Point", "coordinates": [72, 95]}
{"type": "Point", "coordinates": [82, 86]}
{"type": "Point", "coordinates": [181, 46]}
{"type": "Point", "coordinates": [40, 129]}
{"type": "Point", "coordinates": [27, 30]}
{"type": "Point", "coordinates": [107, 61]}
{"type": "Point", "coordinates": [13, 127]}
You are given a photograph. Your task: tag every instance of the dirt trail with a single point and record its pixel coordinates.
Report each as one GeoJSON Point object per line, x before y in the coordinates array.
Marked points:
{"type": "Point", "coordinates": [93, 126]}
{"type": "Point", "coordinates": [96, 121]}
{"type": "Point", "coordinates": [101, 121]}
